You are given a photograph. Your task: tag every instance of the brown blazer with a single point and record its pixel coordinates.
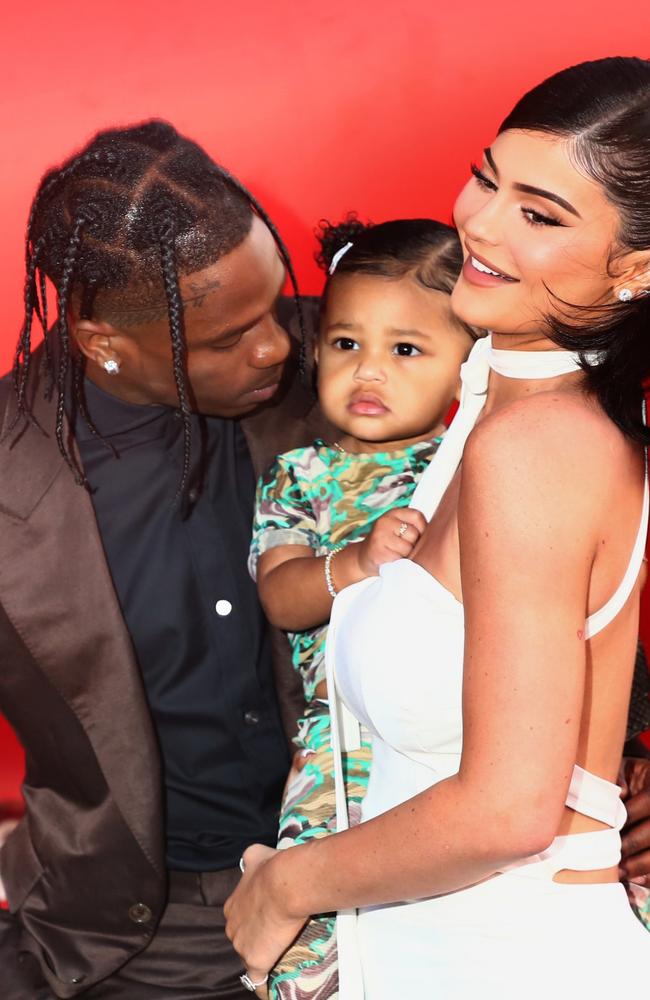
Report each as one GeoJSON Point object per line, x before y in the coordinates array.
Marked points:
{"type": "Point", "coordinates": [85, 871]}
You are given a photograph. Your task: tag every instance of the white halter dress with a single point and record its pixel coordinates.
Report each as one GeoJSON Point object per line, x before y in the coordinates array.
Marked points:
{"type": "Point", "coordinates": [394, 661]}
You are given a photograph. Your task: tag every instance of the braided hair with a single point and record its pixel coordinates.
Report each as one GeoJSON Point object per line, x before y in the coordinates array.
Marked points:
{"type": "Point", "coordinates": [112, 228]}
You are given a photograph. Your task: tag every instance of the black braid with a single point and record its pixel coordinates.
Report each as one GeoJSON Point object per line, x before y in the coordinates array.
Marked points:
{"type": "Point", "coordinates": [284, 253]}
{"type": "Point", "coordinates": [44, 318]}
{"type": "Point", "coordinates": [64, 289]}
{"type": "Point", "coordinates": [79, 397]}
{"type": "Point", "coordinates": [56, 178]}
{"type": "Point", "coordinates": [179, 350]}
{"type": "Point", "coordinates": [23, 351]}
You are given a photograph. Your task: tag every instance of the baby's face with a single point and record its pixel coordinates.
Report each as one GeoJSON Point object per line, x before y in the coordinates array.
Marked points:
{"type": "Point", "coordinates": [389, 355]}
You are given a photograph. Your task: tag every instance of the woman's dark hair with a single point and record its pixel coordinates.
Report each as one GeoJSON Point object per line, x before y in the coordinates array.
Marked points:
{"type": "Point", "coordinates": [113, 228]}
{"type": "Point", "coordinates": [603, 108]}
{"type": "Point", "coordinates": [426, 250]}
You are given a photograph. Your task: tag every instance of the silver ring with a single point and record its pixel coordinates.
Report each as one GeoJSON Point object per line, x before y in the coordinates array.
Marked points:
{"type": "Point", "coordinates": [242, 865]}
{"type": "Point", "coordinates": [248, 983]}
{"type": "Point", "coordinates": [401, 531]}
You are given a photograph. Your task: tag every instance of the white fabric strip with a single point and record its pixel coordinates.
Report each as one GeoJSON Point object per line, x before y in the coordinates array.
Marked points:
{"type": "Point", "coordinates": [475, 375]}
{"type": "Point", "coordinates": [344, 731]}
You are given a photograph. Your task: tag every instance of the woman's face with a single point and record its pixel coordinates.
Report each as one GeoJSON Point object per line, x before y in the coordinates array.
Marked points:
{"type": "Point", "coordinates": [534, 230]}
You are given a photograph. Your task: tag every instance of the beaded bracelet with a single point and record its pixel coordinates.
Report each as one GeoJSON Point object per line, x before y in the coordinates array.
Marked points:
{"type": "Point", "coordinates": [331, 589]}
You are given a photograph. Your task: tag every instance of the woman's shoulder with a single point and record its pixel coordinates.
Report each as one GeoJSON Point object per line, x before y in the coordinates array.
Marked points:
{"type": "Point", "coordinates": [566, 427]}
{"type": "Point", "coordinates": [554, 459]}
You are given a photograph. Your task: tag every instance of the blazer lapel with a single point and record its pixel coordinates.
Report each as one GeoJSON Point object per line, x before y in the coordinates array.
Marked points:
{"type": "Point", "coordinates": [56, 588]}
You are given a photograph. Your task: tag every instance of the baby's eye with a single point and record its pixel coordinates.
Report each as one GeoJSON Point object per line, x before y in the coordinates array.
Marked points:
{"type": "Point", "coordinates": [406, 350]}
{"type": "Point", "coordinates": [345, 344]}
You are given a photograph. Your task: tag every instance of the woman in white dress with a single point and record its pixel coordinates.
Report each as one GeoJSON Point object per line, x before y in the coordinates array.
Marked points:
{"type": "Point", "coordinates": [494, 667]}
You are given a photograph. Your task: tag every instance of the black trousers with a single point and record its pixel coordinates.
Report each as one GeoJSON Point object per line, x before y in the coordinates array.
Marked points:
{"type": "Point", "coordinates": [189, 956]}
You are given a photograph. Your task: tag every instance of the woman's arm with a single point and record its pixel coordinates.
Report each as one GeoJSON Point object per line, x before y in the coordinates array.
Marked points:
{"type": "Point", "coordinates": [527, 545]}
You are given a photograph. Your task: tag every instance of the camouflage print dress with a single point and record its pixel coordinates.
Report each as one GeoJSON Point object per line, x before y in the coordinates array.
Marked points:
{"type": "Point", "coordinates": [321, 497]}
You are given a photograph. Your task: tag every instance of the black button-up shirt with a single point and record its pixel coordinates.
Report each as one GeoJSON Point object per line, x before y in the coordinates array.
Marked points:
{"type": "Point", "coordinates": [194, 617]}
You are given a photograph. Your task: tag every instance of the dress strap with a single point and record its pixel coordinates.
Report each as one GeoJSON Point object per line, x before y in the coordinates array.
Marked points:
{"type": "Point", "coordinates": [474, 375]}
{"type": "Point", "coordinates": [345, 735]}
{"type": "Point", "coordinates": [600, 619]}
{"type": "Point", "coordinates": [595, 797]}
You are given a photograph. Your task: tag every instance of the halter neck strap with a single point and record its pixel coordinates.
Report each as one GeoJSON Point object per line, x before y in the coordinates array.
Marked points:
{"type": "Point", "coordinates": [533, 364]}
{"type": "Point", "coordinates": [475, 374]}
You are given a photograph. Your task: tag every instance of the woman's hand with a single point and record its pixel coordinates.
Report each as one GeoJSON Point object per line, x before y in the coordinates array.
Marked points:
{"type": "Point", "coordinates": [257, 923]}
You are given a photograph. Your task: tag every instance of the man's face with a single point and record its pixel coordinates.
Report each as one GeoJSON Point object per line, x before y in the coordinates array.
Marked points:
{"type": "Point", "coordinates": [235, 348]}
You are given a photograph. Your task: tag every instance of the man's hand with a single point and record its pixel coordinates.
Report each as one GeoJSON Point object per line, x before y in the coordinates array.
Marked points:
{"type": "Point", "coordinates": [635, 780]}
{"type": "Point", "coordinates": [394, 535]}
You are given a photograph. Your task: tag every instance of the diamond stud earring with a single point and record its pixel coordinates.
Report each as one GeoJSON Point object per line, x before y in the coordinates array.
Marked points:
{"type": "Point", "coordinates": [624, 295]}
{"type": "Point", "coordinates": [112, 366]}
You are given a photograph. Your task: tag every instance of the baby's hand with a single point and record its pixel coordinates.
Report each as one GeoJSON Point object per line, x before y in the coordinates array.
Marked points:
{"type": "Point", "coordinates": [393, 536]}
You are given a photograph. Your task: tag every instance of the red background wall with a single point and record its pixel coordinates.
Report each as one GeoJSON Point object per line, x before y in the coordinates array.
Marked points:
{"type": "Point", "coordinates": [318, 107]}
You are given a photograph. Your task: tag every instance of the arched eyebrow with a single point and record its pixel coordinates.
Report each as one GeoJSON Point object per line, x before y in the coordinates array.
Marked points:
{"type": "Point", "coordinates": [529, 189]}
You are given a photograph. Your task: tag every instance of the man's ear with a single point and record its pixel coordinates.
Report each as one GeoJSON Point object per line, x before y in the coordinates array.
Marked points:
{"type": "Point", "coordinates": [97, 340]}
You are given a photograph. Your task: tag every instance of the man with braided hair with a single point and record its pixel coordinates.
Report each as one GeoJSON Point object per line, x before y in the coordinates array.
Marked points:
{"type": "Point", "coordinates": [136, 664]}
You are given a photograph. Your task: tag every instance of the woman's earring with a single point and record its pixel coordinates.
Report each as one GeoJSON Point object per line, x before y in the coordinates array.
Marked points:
{"type": "Point", "coordinates": [624, 295]}
{"type": "Point", "coordinates": [112, 366]}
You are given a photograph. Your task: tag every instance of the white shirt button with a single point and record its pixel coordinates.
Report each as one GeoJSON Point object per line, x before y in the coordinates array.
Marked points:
{"type": "Point", "coordinates": [223, 608]}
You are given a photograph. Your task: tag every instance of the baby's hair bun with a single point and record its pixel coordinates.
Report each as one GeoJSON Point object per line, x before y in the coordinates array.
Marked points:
{"type": "Point", "coordinates": [333, 237]}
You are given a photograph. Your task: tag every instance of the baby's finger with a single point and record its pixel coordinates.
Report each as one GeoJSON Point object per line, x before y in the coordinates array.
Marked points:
{"type": "Point", "coordinates": [394, 548]}
{"type": "Point", "coordinates": [414, 518]}
{"type": "Point", "coordinates": [407, 532]}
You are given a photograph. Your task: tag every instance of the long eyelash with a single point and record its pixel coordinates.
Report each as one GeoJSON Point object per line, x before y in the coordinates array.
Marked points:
{"type": "Point", "coordinates": [483, 181]}
{"type": "Point", "coordinates": [541, 219]}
